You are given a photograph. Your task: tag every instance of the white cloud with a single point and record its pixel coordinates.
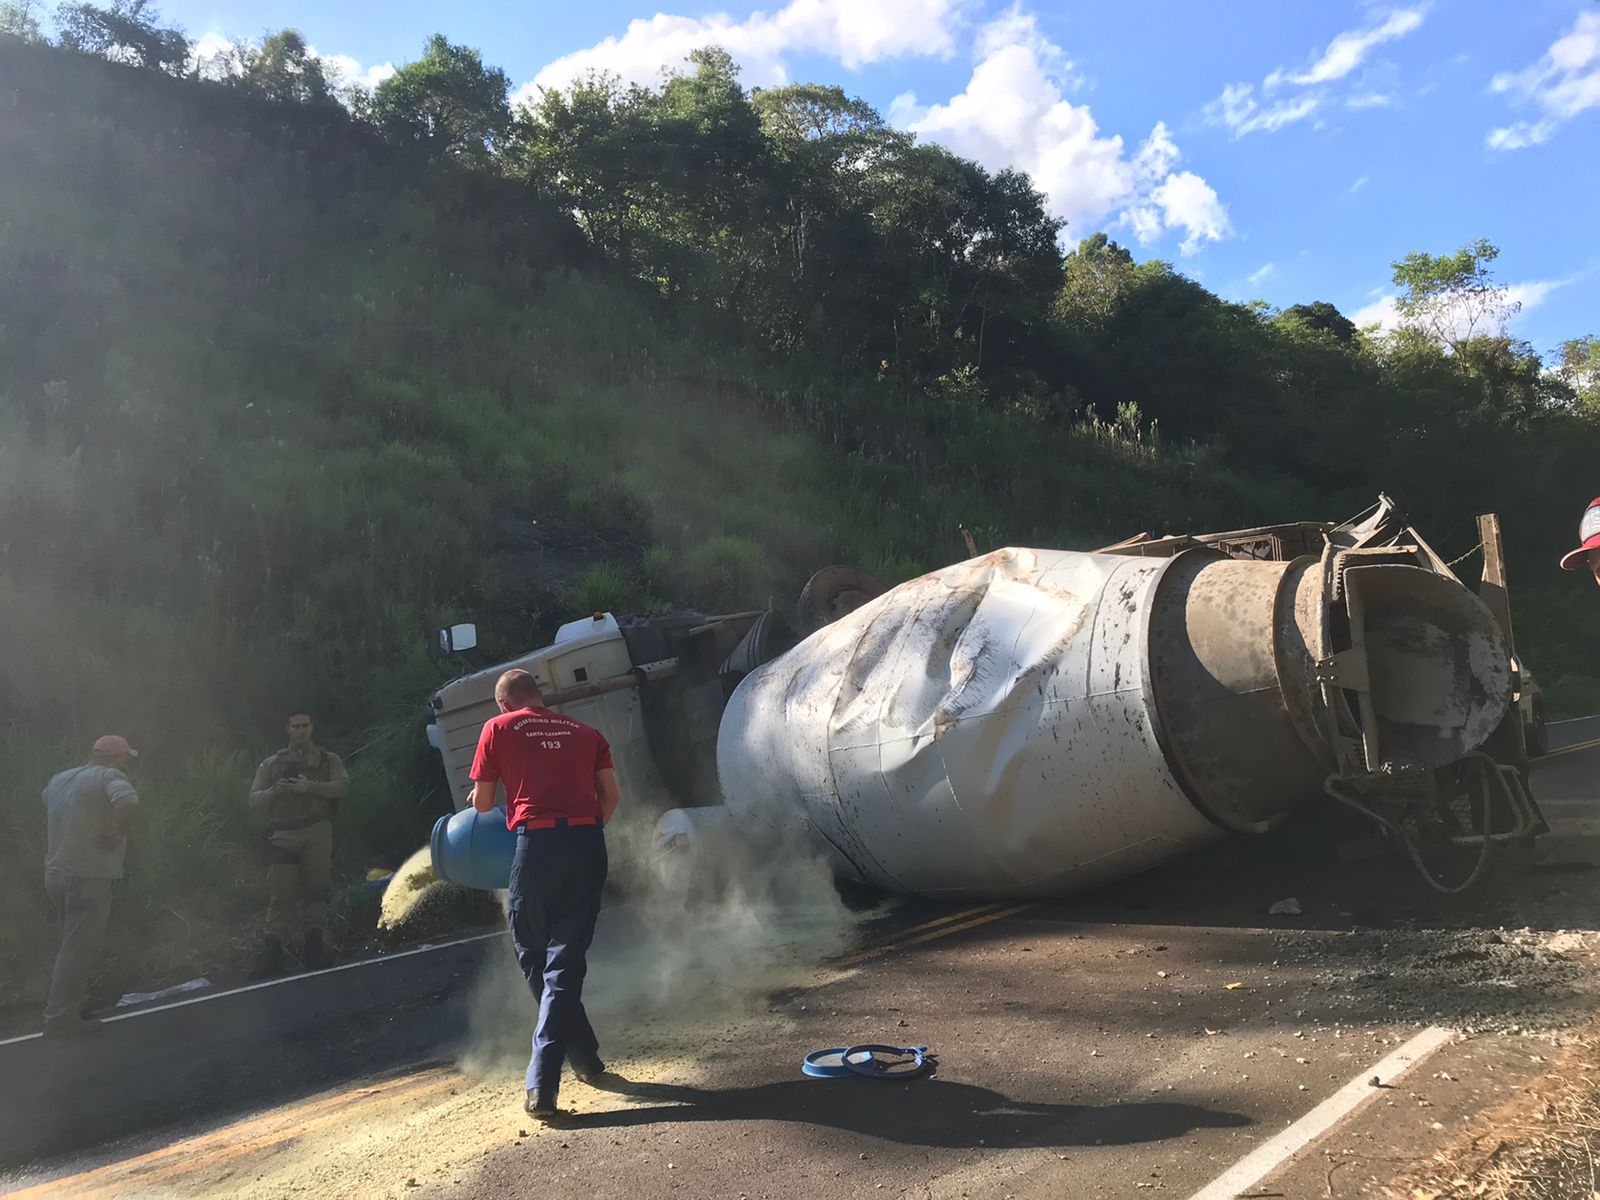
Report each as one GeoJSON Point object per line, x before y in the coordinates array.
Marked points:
{"type": "Point", "coordinates": [208, 56]}
{"type": "Point", "coordinates": [1261, 273]}
{"type": "Point", "coordinates": [1348, 50]}
{"type": "Point", "coordinates": [1014, 113]}
{"type": "Point", "coordinates": [1381, 312]}
{"type": "Point", "coordinates": [853, 33]}
{"type": "Point", "coordinates": [211, 57]}
{"type": "Point", "coordinates": [1524, 297]}
{"type": "Point", "coordinates": [1189, 203]}
{"type": "Point", "coordinates": [1239, 111]}
{"type": "Point", "coordinates": [343, 71]}
{"type": "Point", "coordinates": [1562, 84]}
{"type": "Point", "coordinates": [1358, 185]}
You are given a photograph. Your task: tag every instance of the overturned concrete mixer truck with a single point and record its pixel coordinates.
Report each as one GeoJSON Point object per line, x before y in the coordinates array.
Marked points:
{"type": "Point", "coordinates": [1039, 722]}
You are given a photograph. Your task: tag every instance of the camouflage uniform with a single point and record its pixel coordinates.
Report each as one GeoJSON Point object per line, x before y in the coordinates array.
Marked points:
{"type": "Point", "coordinates": [300, 836]}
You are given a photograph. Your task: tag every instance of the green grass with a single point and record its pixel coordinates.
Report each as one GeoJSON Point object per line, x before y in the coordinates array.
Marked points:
{"type": "Point", "coordinates": [604, 588]}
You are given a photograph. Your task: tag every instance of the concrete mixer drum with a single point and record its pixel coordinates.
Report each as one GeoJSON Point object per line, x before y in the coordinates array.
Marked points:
{"type": "Point", "coordinates": [1035, 722]}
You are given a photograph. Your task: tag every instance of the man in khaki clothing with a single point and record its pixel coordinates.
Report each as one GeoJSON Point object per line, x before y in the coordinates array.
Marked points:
{"type": "Point", "coordinates": [296, 790]}
{"type": "Point", "coordinates": [88, 812]}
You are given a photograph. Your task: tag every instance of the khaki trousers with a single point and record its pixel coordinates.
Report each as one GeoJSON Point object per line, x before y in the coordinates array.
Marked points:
{"type": "Point", "coordinates": [298, 879]}
{"type": "Point", "coordinates": [82, 906]}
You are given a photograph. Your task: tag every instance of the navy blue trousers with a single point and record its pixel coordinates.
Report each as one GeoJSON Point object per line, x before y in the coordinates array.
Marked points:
{"type": "Point", "coordinates": [556, 878]}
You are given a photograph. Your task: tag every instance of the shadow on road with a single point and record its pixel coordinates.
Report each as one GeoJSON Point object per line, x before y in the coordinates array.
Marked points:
{"type": "Point", "coordinates": [930, 1112]}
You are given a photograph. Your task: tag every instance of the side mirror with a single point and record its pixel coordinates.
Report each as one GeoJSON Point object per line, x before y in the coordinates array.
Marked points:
{"type": "Point", "coordinates": [456, 638]}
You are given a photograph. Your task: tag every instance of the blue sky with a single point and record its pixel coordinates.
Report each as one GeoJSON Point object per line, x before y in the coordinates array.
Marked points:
{"type": "Point", "coordinates": [1280, 151]}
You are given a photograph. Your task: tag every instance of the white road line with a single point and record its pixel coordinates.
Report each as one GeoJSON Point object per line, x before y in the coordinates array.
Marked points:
{"type": "Point", "coordinates": [1260, 1162]}
{"type": "Point", "coordinates": [208, 997]}
{"type": "Point", "coordinates": [281, 980]}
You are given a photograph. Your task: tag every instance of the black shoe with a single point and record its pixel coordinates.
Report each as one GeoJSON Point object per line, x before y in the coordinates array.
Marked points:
{"type": "Point", "coordinates": [71, 1025]}
{"type": "Point", "coordinates": [270, 961]}
{"type": "Point", "coordinates": [315, 956]}
{"type": "Point", "coordinates": [541, 1106]}
{"type": "Point", "coordinates": [590, 1071]}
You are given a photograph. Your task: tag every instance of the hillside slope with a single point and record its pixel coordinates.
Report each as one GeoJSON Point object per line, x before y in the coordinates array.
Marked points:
{"type": "Point", "coordinates": [278, 397]}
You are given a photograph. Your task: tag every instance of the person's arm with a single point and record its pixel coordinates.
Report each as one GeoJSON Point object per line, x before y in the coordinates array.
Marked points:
{"type": "Point", "coordinates": [610, 795]}
{"type": "Point", "coordinates": [483, 794]}
{"type": "Point", "coordinates": [338, 783]}
{"type": "Point", "coordinates": [262, 789]}
{"type": "Point", "coordinates": [125, 806]}
{"type": "Point", "coordinates": [485, 775]}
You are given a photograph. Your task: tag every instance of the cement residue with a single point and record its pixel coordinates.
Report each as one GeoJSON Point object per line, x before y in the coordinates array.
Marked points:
{"type": "Point", "coordinates": [435, 1133]}
{"type": "Point", "coordinates": [407, 888]}
{"type": "Point", "coordinates": [1474, 979]}
{"type": "Point", "coordinates": [418, 904]}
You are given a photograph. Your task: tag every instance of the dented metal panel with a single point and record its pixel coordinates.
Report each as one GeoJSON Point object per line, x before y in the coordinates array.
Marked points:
{"type": "Point", "coordinates": [983, 730]}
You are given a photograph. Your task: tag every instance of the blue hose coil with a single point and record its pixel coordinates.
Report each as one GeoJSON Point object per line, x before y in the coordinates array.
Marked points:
{"type": "Point", "coordinates": [816, 1065]}
{"type": "Point", "coordinates": [862, 1060]}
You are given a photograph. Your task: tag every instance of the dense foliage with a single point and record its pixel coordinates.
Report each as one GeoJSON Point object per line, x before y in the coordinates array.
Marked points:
{"type": "Point", "coordinates": [291, 373]}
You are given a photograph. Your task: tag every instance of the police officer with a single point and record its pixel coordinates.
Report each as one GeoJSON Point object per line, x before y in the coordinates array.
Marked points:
{"type": "Point", "coordinates": [561, 790]}
{"type": "Point", "coordinates": [296, 790]}
{"type": "Point", "coordinates": [88, 813]}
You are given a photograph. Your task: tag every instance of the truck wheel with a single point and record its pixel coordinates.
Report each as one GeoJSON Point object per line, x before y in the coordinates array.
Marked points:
{"type": "Point", "coordinates": [832, 592]}
{"type": "Point", "coordinates": [1533, 733]}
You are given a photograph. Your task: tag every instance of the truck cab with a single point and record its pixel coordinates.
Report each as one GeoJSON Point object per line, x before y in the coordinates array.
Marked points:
{"type": "Point", "coordinates": [653, 685]}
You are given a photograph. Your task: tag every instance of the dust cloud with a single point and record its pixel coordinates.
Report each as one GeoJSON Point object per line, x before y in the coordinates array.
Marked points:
{"type": "Point", "coordinates": [691, 943]}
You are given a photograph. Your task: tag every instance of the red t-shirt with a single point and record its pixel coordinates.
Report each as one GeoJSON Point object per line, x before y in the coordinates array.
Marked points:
{"type": "Point", "coordinates": [546, 762]}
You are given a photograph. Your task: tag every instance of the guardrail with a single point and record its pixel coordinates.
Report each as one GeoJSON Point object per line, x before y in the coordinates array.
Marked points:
{"type": "Point", "coordinates": [226, 1051]}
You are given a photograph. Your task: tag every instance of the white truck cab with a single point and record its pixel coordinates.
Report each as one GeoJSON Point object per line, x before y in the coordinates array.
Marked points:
{"type": "Point", "coordinates": [653, 686]}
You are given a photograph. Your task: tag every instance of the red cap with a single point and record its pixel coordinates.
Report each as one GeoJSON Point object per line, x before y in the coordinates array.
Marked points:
{"type": "Point", "coordinates": [1588, 535]}
{"type": "Point", "coordinates": [112, 745]}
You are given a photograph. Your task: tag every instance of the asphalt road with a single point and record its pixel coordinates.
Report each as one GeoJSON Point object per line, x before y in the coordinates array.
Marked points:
{"type": "Point", "coordinates": [1148, 1037]}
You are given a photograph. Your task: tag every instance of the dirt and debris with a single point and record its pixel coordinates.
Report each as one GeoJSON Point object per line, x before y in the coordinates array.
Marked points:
{"type": "Point", "coordinates": [1542, 1144]}
{"type": "Point", "coordinates": [1478, 980]}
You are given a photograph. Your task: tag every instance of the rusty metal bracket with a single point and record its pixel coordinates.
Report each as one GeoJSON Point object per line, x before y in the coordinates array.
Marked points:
{"type": "Point", "coordinates": [1346, 669]}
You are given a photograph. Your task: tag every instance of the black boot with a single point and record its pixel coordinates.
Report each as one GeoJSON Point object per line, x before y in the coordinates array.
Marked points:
{"type": "Point", "coordinates": [541, 1106]}
{"type": "Point", "coordinates": [270, 959]}
{"type": "Point", "coordinates": [315, 956]}
{"type": "Point", "coordinates": [588, 1069]}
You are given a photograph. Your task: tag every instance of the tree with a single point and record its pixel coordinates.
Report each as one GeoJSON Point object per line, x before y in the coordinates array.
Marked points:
{"type": "Point", "coordinates": [447, 101]}
{"type": "Point", "coordinates": [283, 68]}
{"type": "Point", "coordinates": [1579, 368]}
{"type": "Point", "coordinates": [1321, 317]}
{"type": "Point", "coordinates": [1096, 277]}
{"type": "Point", "coordinates": [17, 20]}
{"type": "Point", "coordinates": [1452, 298]}
{"type": "Point", "coordinates": [127, 31]}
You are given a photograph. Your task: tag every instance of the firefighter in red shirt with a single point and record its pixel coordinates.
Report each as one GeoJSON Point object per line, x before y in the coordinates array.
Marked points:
{"type": "Point", "coordinates": [561, 789]}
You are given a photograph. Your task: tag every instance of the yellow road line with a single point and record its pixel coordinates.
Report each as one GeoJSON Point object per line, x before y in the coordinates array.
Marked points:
{"type": "Point", "coordinates": [963, 915]}
{"type": "Point", "coordinates": [934, 934]}
{"type": "Point", "coordinates": [1576, 746]}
